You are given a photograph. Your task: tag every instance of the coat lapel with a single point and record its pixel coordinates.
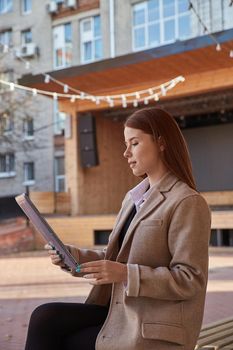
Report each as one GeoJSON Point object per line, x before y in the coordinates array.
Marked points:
{"type": "Point", "coordinates": [154, 200]}
{"type": "Point", "coordinates": [112, 249]}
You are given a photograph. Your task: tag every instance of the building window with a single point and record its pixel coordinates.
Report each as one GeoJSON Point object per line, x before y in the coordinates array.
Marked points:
{"type": "Point", "coordinates": [6, 124]}
{"type": "Point", "coordinates": [91, 39]}
{"type": "Point", "coordinates": [158, 22]}
{"type": "Point", "coordinates": [26, 6]}
{"type": "Point", "coordinates": [59, 174]}
{"type": "Point", "coordinates": [7, 165]}
{"type": "Point", "coordinates": [6, 38]}
{"type": "Point", "coordinates": [26, 37]}
{"type": "Point", "coordinates": [29, 175]}
{"type": "Point", "coordinates": [28, 129]}
{"type": "Point", "coordinates": [6, 6]}
{"type": "Point", "coordinates": [62, 45]}
{"type": "Point", "coordinates": [8, 77]}
{"type": "Point", "coordinates": [101, 237]}
{"type": "Point", "coordinates": [59, 120]}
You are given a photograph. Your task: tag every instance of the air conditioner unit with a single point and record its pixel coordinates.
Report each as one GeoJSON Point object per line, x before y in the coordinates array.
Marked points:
{"type": "Point", "coordinates": [27, 50]}
{"type": "Point", "coordinates": [71, 3]}
{"type": "Point", "coordinates": [52, 7]}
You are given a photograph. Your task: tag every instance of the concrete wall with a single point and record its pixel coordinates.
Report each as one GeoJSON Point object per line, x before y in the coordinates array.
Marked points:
{"type": "Point", "coordinates": [212, 157]}
{"type": "Point", "coordinates": [40, 149]}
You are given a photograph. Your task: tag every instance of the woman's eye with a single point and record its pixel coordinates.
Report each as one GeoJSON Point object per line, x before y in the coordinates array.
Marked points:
{"type": "Point", "coordinates": [135, 144]}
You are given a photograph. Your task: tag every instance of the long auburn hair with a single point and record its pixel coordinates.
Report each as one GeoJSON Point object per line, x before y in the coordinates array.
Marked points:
{"type": "Point", "coordinates": [159, 123]}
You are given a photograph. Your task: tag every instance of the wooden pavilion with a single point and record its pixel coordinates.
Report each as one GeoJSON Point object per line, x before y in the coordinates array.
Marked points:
{"type": "Point", "coordinates": [97, 192]}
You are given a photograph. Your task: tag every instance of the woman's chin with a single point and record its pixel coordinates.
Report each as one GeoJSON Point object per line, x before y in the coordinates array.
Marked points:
{"type": "Point", "coordinates": [138, 173]}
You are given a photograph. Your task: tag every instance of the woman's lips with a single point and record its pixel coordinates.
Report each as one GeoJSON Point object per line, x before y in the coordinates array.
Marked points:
{"type": "Point", "coordinates": [132, 164]}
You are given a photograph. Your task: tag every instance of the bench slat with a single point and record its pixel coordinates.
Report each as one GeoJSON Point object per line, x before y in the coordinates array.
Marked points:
{"type": "Point", "coordinates": [213, 330]}
{"type": "Point", "coordinates": [216, 338]}
{"type": "Point", "coordinates": [224, 342]}
{"type": "Point", "coordinates": [217, 323]}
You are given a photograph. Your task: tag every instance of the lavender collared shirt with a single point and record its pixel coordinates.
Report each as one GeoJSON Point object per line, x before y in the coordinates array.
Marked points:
{"type": "Point", "coordinates": [140, 193]}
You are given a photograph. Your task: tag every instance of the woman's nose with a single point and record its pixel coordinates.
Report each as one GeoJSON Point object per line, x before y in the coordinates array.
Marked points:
{"type": "Point", "coordinates": [126, 153]}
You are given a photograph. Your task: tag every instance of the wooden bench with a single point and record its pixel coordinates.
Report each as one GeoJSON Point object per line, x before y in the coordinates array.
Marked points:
{"type": "Point", "coordinates": [219, 199]}
{"type": "Point", "coordinates": [216, 336]}
{"type": "Point", "coordinates": [221, 205]}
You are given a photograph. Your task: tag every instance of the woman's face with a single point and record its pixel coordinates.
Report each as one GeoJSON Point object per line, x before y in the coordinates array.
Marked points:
{"type": "Point", "coordinates": [143, 154]}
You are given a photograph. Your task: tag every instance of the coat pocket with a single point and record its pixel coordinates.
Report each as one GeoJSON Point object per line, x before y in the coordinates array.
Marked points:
{"type": "Point", "coordinates": [151, 222]}
{"type": "Point", "coordinates": [166, 332]}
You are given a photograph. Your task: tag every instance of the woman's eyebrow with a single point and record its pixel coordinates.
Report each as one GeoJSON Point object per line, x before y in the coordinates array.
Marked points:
{"type": "Point", "coordinates": [132, 138]}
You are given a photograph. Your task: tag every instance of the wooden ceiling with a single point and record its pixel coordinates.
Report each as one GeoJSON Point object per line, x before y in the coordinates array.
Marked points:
{"type": "Point", "coordinates": [204, 69]}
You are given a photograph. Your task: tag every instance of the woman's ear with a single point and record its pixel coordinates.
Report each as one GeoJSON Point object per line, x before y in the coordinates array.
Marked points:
{"type": "Point", "coordinates": [161, 144]}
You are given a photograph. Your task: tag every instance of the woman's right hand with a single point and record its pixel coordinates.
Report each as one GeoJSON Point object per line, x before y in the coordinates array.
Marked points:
{"type": "Point", "coordinates": [54, 255]}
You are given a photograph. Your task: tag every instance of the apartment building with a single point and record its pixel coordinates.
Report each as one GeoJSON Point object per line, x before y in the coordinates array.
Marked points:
{"type": "Point", "coordinates": [31, 128]}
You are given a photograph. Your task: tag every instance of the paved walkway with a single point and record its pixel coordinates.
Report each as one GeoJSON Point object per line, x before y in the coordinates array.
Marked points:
{"type": "Point", "coordinates": [27, 280]}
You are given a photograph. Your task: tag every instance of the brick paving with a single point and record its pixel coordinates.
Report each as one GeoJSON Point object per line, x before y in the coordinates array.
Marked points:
{"type": "Point", "coordinates": [29, 279]}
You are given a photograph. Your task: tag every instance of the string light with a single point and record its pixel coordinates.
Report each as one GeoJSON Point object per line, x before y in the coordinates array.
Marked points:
{"type": "Point", "coordinates": [27, 65]}
{"type": "Point", "coordinates": [163, 90]}
{"type": "Point", "coordinates": [124, 99]}
{"type": "Point", "coordinates": [135, 103]}
{"type": "Point", "coordinates": [124, 104]}
{"type": "Point", "coordinates": [72, 99]}
{"type": "Point", "coordinates": [34, 92]}
{"type": "Point", "coordinates": [66, 89]}
{"type": "Point", "coordinates": [47, 79]}
{"type": "Point", "coordinates": [82, 95]}
{"type": "Point", "coordinates": [12, 86]}
{"type": "Point", "coordinates": [97, 101]}
{"type": "Point", "coordinates": [5, 49]}
{"type": "Point", "coordinates": [206, 30]}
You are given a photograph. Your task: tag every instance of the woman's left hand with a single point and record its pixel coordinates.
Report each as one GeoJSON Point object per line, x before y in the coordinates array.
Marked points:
{"type": "Point", "coordinates": [104, 271]}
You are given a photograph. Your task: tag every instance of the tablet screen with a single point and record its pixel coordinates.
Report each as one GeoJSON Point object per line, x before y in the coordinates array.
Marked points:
{"type": "Point", "coordinates": [44, 229]}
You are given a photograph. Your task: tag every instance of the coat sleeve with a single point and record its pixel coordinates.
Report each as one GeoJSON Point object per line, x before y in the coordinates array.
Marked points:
{"type": "Point", "coordinates": [86, 255]}
{"type": "Point", "coordinates": [188, 240]}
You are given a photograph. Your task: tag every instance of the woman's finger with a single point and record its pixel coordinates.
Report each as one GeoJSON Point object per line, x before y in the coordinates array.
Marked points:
{"type": "Point", "coordinates": [92, 276]}
{"type": "Point", "coordinates": [90, 269]}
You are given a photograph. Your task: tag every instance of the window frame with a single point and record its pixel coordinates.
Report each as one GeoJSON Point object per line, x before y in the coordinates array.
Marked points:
{"type": "Point", "coordinates": [59, 119]}
{"type": "Point", "coordinates": [59, 177]}
{"type": "Point", "coordinates": [26, 129]}
{"type": "Point", "coordinates": [8, 122]}
{"type": "Point", "coordinates": [90, 37]}
{"type": "Point", "coordinates": [161, 22]}
{"type": "Point", "coordinates": [5, 5]}
{"type": "Point", "coordinates": [24, 10]}
{"type": "Point", "coordinates": [9, 165]}
{"type": "Point", "coordinates": [24, 36]}
{"type": "Point", "coordinates": [6, 37]}
{"type": "Point", "coordinates": [66, 47]}
{"type": "Point", "coordinates": [27, 181]}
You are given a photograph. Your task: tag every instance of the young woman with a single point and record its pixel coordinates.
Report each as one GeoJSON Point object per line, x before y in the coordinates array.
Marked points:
{"type": "Point", "coordinates": [150, 282]}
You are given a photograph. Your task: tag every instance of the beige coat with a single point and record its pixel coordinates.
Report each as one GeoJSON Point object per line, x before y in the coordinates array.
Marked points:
{"type": "Point", "coordinates": [166, 249]}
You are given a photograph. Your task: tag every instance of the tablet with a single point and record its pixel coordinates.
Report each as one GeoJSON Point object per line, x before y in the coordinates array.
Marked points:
{"type": "Point", "coordinates": [45, 230]}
